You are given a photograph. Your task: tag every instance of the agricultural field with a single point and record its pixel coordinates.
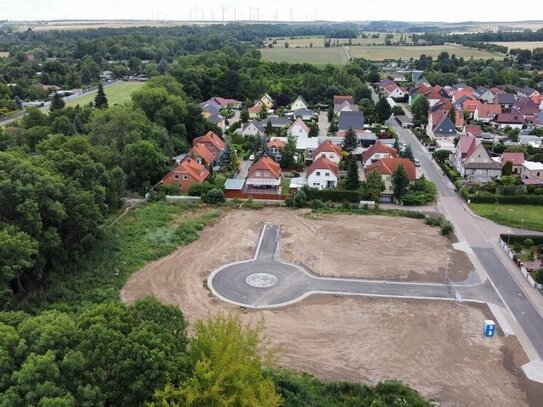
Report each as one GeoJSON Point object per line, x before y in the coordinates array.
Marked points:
{"type": "Point", "coordinates": [528, 217]}
{"type": "Point", "coordinates": [531, 45]}
{"type": "Point", "coordinates": [315, 56]}
{"type": "Point", "coordinates": [4, 54]}
{"type": "Point", "coordinates": [317, 41]}
{"type": "Point", "coordinates": [353, 338]}
{"type": "Point", "coordinates": [381, 53]}
{"type": "Point", "coordinates": [117, 94]}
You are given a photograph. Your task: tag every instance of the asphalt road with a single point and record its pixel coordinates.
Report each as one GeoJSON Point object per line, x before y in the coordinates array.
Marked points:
{"type": "Point", "coordinates": [293, 282]}
{"type": "Point", "coordinates": [477, 234]}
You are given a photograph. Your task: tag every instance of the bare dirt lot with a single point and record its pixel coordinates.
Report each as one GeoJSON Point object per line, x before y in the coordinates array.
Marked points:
{"type": "Point", "coordinates": [436, 347]}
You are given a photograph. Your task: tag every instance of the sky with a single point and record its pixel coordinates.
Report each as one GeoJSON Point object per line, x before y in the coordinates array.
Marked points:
{"type": "Point", "coordinates": [285, 10]}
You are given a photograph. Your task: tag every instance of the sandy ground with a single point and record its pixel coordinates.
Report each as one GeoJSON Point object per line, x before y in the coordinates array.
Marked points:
{"type": "Point", "coordinates": [436, 347]}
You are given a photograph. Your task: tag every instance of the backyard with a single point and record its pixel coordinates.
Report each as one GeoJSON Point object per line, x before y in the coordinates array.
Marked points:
{"type": "Point", "coordinates": [529, 217]}
{"type": "Point", "coordinates": [117, 94]}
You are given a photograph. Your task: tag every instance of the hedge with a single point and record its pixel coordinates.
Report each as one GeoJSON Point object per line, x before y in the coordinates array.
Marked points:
{"type": "Point", "coordinates": [334, 195]}
{"type": "Point", "coordinates": [487, 197]}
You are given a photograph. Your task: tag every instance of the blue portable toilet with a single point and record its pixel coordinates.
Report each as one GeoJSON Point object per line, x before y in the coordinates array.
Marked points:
{"type": "Point", "coordinates": [490, 328]}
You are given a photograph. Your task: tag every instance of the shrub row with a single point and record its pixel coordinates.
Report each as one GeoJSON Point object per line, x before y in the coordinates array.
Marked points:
{"type": "Point", "coordinates": [334, 195]}
{"type": "Point", "coordinates": [487, 197]}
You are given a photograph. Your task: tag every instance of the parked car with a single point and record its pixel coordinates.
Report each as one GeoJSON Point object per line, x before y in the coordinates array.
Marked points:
{"type": "Point", "coordinates": [416, 162]}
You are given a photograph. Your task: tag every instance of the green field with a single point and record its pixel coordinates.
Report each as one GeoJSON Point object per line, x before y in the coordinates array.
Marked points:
{"type": "Point", "coordinates": [315, 56]}
{"type": "Point", "coordinates": [317, 41]}
{"type": "Point", "coordinates": [512, 215]}
{"type": "Point", "coordinates": [522, 45]}
{"type": "Point", "coordinates": [117, 94]}
{"type": "Point", "coordinates": [4, 54]}
{"type": "Point", "coordinates": [381, 53]}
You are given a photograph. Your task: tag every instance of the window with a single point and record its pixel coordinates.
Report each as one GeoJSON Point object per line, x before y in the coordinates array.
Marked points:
{"type": "Point", "coordinates": [331, 155]}
{"type": "Point", "coordinates": [214, 155]}
{"type": "Point", "coordinates": [318, 173]}
{"type": "Point", "coordinates": [327, 174]}
{"type": "Point", "coordinates": [316, 184]}
{"type": "Point", "coordinates": [257, 173]}
{"type": "Point", "coordinates": [185, 177]}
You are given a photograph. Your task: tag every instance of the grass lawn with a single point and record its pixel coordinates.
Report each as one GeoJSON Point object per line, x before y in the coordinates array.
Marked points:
{"type": "Point", "coordinates": [4, 54]}
{"type": "Point", "coordinates": [117, 94]}
{"type": "Point", "coordinates": [512, 215]}
{"type": "Point", "coordinates": [285, 185]}
{"type": "Point", "coordinates": [521, 44]}
{"type": "Point", "coordinates": [380, 53]}
{"type": "Point", "coordinates": [146, 233]}
{"type": "Point", "coordinates": [315, 56]}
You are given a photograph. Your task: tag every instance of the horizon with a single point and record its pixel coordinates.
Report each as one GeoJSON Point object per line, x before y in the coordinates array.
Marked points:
{"type": "Point", "coordinates": [249, 10]}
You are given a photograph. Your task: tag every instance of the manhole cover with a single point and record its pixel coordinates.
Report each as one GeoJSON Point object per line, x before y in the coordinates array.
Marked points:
{"type": "Point", "coordinates": [261, 280]}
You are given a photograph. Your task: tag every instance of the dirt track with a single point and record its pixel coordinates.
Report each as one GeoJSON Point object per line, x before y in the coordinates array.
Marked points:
{"type": "Point", "coordinates": [434, 346]}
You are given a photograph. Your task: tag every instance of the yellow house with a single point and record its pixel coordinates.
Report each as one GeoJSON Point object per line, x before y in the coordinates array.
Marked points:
{"type": "Point", "coordinates": [265, 100]}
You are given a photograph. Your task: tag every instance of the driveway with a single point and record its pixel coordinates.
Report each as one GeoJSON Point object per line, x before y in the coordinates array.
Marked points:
{"type": "Point", "coordinates": [268, 282]}
{"type": "Point", "coordinates": [323, 123]}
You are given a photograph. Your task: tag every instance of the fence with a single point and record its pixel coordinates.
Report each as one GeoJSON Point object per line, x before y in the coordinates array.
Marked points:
{"type": "Point", "coordinates": [520, 266]}
{"type": "Point", "coordinates": [252, 195]}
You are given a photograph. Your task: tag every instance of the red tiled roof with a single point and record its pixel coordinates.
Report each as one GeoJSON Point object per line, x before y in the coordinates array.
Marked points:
{"type": "Point", "coordinates": [386, 166]}
{"type": "Point", "coordinates": [277, 143]}
{"type": "Point", "coordinates": [381, 148]}
{"type": "Point", "coordinates": [473, 129]}
{"type": "Point", "coordinates": [495, 91]}
{"type": "Point", "coordinates": [210, 137]}
{"type": "Point", "coordinates": [255, 109]}
{"type": "Point", "coordinates": [515, 158]}
{"type": "Point", "coordinates": [513, 118]}
{"type": "Point", "coordinates": [301, 123]}
{"type": "Point", "coordinates": [200, 150]}
{"type": "Point", "coordinates": [327, 147]}
{"type": "Point", "coordinates": [265, 164]}
{"type": "Point", "coordinates": [191, 167]}
{"type": "Point", "coordinates": [338, 99]}
{"type": "Point", "coordinates": [489, 110]}
{"type": "Point", "coordinates": [470, 105]}
{"type": "Point", "coordinates": [224, 101]}
{"type": "Point", "coordinates": [465, 92]}
{"type": "Point", "coordinates": [323, 163]}
{"type": "Point", "coordinates": [467, 145]}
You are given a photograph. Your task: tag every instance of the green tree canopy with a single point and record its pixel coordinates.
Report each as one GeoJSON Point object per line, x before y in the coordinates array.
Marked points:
{"type": "Point", "coordinates": [350, 142]}
{"type": "Point", "coordinates": [353, 180]}
{"type": "Point", "coordinates": [400, 182]}
{"type": "Point", "coordinates": [100, 101]}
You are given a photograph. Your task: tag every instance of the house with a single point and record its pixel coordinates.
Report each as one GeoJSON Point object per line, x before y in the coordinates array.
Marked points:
{"type": "Point", "coordinates": [377, 152]}
{"type": "Point", "coordinates": [383, 83]}
{"type": "Point", "coordinates": [306, 146]}
{"type": "Point", "coordinates": [253, 129]}
{"type": "Point", "coordinates": [322, 174]}
{"type": "Point", "coordinates": [254, 110]}
{"type": "Point", "coordinates": [299, 103]}
{"type": "Point", "coordinates": [276, 122]}
{"type": "Point", "coordinates": [465, 93]}
{"type": "Point", "coordinates": [486, 113]}
{"type": "Point", "coordinates": [106, 76]}
{"type": "Point", "coordinates": [506, 101]}
{"type": "Point", "coordinates": [527, 107]}
{"type": "Point", "coordinates": [484, 94]}
{"type": "Point", "coordinates": [218, 120]}
{"type": "Point", "coordinates": [351, 120]}
{"type": "Point", "coordinates": [470, 106]}
{"type": "Point", "coordinates": [444, 128]}
{"type": "Point", "coordinates": [340, 99]}
{"type": "Point", "coordinates": [345, 107]}
{"type": "Point", "coordinates": [473, 161]}
{"type": "Point", "coordinates": [265, 174]}
{"type": "Point", "coordinates": [461, 87]}
{"type": "Point", "coordinates": [266, 101]}
{"type": "Point", "coordinates": [209, 108]}
{"type": "Point", "coordinates": [298, 129]}
{"type": "Point", "coordinates": [532, 172]}
{"type": "Point", "coordinates": [538, 120]}
{"type": "Point", "coordinates": [200, 153]}
{"type": "Point", "coordinates": [529, 140]}
{"type": "Point", "coordinates": [512, 120]}
{"type": "Point", "coordinates": [527, 92]}
{"type": "Point", "coordinates": [404, 121]}
{"type": "Point", "coordinates": [473, 129]}
{"type": "Point", "coordinates": [275, 147]}
{"type": "Point", "coordinates": [385, 167]}
{"type": "Point", "coordinates": [394, 91]}
{"type": "Point", "coordinates": [224, 103]}
{"type": "Point", "coordinates": [517, 159]}
{"type": "Point", "coordinates": [304, 114]}
{"type": "Point", "coordinates": [185, 174]}
{"type": "Point", "coordinates": [212, 142]}
{"type": "Point", "coordinates": [328, 150]}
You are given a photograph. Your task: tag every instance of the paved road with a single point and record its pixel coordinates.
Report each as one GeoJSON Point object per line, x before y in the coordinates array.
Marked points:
{"type": "Point", "coordinates": [293, 282]}
{"type": "Point", "coordinates": [477, 233]}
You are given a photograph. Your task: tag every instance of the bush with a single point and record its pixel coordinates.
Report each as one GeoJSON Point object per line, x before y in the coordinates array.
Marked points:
{"type": "Point", "coordinates": [214, 196]}
{"type": "Point", "coordinates": [538, 276]}
{"type": "Point", "coordinates": [334, 195]}
{"type": "Point", "coordinates": [447, 228]}
{"type": "Point", "coordinates": [316, 204]}
{"type": "Point", "coordinates": [432, 221]}
{"type": "Point", "coordinates": [200, 189]}
{"type": "Point", "coordinates": [417, 198]}
{"type": "Point", "coordinates": [440, 155]}
{"type": "Point", "coordinates": [300, 198]}
{"type": "Point", "coordinates": [528, 243]}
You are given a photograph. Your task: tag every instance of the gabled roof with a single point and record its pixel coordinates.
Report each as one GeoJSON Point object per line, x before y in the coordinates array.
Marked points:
{"type": "Point", "coordinates": [464, 92]}
{"type": "Point", "coordinates": [386, 166]}
{"type": "Point", "coordinates": [467, 144]}
{"type": "Point", "coordinates": [265, 164]}
{"type": "Point", "coordinates": [301, 99]}
{"type": "Point", "coordinates": [515, 158]}
{"type": "Point", "coordinates": [215, 118]}
{"type": "Point", "coordinates": [225, 101]}
{"type": "Point", "coordinates": [353, 120]}
{"type": "Point", "coordinates": [303, 112]}
{"type": "Point", "coordinates": [210, 137]}
{"type": "Point", "coordinates": [496, 90]}
{"type": "Point", "coordinates": [345, 105]}
{"type": "Point", "coordinates": [480, 91]}
{"type": "Point", "coordinates": [473, 129]}
{"type": "Point", "coordinates": [338, 99]}
{"type": "Point", "coordinates": [385, 82]}
{"type": "Point", "coordinates": [323, 163]}
{"type": "Point", "coordinates": [210, 107]}
{"type": "Point", "coordinates": [267, 96]}
{"type": "Point", "coordinates": [510, 118]}
{"type": "Point", "coordinates": [191, 167]}
{"type": "Point", "coordinates": [470, 105]}
{"type": "Point", "coordinates": [255, 109]}
{"type": "Point", "coordinates": [327, 147]}
{"type": "Point", "coordinates": [380, 148]}
{"type": "Point", "coordinates": [275, 142]}
{"type": "Point", "coordinates": [301, 123]}
{"type": "Point", "coordinates": [275, 121]}
{"type": "Point", "coordinates": [200, 150]}
{"type": "Point", "coordinates": [478, 162]}
{"type": "Point", "coordinates": [505, 99]}
{"type": "Point", "coordinates": [525, 106]}
{"type": "Point", "coordinates": [489, 110]}
{"type": "Point", "coordinates": [257, 124]}
{"type": "Point", "coordinates": [528, 91]}
{"type": "Point", "coordinates": [445, 126]}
